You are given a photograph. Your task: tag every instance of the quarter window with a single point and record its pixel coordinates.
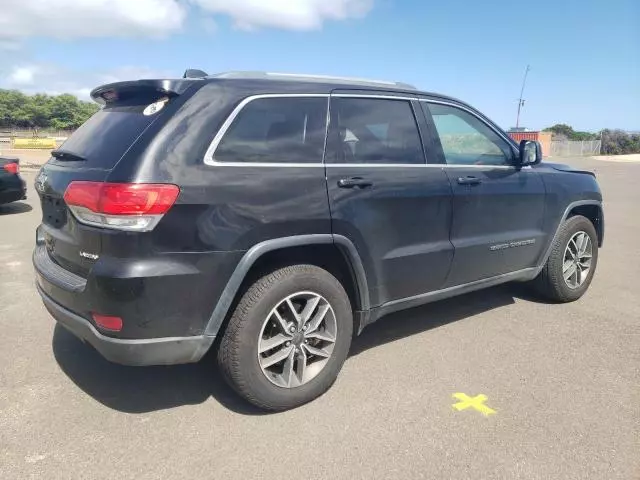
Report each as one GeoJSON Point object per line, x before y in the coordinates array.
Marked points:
{"type": "Point", "coordinates": [276, 130]}
{"type": "Point", "coordinates": [466, 140]}
{"type": "Point", "coordinates": [374, 130]}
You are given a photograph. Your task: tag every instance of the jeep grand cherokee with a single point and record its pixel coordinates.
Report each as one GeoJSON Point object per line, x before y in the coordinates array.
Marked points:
{"type": "Point", "coordinates": [273, 216]}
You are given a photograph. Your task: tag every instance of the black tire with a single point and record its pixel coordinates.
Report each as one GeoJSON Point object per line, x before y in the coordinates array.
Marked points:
{"type": "Point", "coordinates": [238, 351]}
{"type": "Point", "coordinates": [550, 283]}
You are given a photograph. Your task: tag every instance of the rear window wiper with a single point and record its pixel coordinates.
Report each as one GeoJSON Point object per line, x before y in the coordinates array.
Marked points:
{"type": "Point", "coordinates": [63, 155]}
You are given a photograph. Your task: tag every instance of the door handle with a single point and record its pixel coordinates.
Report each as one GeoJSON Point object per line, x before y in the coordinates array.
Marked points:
{"type": "Point", "coordinates": [469, 181]}
{"type": "Point", "coordinates": [354, 182]}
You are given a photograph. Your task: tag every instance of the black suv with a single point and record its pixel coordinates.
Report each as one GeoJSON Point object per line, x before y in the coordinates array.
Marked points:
{"type": "Point", "coordinates": [274, 216]}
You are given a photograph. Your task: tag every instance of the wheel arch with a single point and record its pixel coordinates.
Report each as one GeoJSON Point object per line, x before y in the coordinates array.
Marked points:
{"type": "Point", "coordinates": [593, 211]}
{"type": "Point", "coordinates": [335, 253]}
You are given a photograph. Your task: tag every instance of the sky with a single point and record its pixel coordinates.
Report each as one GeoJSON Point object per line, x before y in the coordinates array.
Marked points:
{"type": "Point", "coordinates": [584, 55]}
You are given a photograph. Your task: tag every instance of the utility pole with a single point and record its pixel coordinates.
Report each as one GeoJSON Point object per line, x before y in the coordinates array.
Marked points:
{"type": "Point", "coordinates": [521, 100]}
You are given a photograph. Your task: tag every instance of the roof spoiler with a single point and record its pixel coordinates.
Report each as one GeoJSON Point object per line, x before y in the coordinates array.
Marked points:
{"type": "Point", "coordinates": [149, 89]}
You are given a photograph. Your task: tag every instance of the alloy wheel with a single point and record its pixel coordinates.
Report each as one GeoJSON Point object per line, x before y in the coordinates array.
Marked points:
{"type": "Point", "coordinates": [297, 339]}
{"type": "Point", "coordinates": [577, 260]}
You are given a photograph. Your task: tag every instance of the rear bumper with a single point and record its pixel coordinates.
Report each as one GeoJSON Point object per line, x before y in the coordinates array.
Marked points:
{"type": "Point", "coordinates": [160, 296]}
{"type": "Point", "coordinates": [153, 351]}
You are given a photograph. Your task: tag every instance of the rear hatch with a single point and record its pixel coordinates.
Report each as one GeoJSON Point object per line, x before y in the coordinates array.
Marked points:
{"type": "Point", "coordinates": [89, 155]}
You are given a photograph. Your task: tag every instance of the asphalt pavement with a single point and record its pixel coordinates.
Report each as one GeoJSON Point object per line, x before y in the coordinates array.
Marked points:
{"type": "Point", "coordinates": [561, 385]}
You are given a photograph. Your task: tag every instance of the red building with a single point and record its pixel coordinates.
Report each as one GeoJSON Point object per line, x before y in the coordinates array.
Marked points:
{"type": "Point", "coordinates": [543, 137]}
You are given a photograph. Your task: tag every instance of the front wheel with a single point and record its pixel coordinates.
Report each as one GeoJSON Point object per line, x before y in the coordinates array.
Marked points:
{"type": "Point", "coordinates": [287, 338]}
{"type": "Point", "coordinates": [572, 263]}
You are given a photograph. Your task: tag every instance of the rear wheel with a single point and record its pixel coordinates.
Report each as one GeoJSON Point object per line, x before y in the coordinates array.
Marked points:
{"type": "Point", "coordinates": [287, 338]}
{"type": "Point", "coordinates": [572, 263]}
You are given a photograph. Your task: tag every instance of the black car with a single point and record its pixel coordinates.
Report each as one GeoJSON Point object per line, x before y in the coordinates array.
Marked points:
{"type": "Point", "coordinates": [12, 186]}
{"type": "Point", "coordinates": [270, 217]}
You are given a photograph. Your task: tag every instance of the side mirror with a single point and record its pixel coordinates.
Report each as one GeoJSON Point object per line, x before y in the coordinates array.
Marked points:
{"type": "Point", "coordinates": [530, 153]}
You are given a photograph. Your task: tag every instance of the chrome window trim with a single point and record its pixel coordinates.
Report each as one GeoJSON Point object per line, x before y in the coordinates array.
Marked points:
{"type": "Point", "coordinates": [461, 165]}
{"type": "Point", "coordinates": [419, 165]}
{"type": "Point", "coordinates": [471, 112]}
{"type": "Point", "coordinates": [214, 163]}
{"type": "Point", "coordinates": [360, 165]}
{"type": "Point", "coordinates": [209, 154]}
{"type": "Point", "coordinates": [381, 165]}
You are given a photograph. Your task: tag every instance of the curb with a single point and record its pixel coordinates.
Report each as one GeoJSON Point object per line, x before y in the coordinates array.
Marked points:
{"type": "Point", "coordinates": [30, 167]}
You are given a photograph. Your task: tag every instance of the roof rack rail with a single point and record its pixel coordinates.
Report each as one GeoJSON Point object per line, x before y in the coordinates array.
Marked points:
{"type": "Point", "coordinates": [303, 77]}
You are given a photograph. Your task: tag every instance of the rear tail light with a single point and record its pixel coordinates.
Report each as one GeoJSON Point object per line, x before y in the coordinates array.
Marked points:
{"type": "Point", "coordinates": [122, 206]}
{"type": "Point", "coordinates": [12, 168]}
{"type": "Point", "coordinates": [107, 322]}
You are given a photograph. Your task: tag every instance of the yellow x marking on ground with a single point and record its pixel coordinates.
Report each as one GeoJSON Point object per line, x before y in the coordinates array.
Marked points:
{"type": "Point", "coordinates": [477, 403]}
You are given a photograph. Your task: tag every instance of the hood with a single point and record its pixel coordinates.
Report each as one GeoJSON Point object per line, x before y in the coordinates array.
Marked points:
{"type": "Point", "coordinates": [566, 168]}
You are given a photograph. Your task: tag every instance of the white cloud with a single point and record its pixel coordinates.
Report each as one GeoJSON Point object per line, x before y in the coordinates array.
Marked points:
{"type": "Point", "coordinates": [54, 80]}
{"type": "Point", "coordinates": [23, 75]}
{"type": "Point", "coordinates": [286, 14]}
{"type": "Point", "coordinates": [69, 19]}
{"type": "Point", "coordinates": [89, 18]}
{"type": "Point", "coordinates": [76, 19]}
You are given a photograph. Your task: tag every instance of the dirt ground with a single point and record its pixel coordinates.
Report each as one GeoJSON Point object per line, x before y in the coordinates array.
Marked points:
{"type": "Point", "coordinates": [632, 158]}
{"type": "Point", "coordinates": [28, 158]}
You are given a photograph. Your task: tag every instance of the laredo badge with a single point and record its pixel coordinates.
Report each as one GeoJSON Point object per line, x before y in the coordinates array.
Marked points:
{"type": "Point", "coordinates": [155, 107]}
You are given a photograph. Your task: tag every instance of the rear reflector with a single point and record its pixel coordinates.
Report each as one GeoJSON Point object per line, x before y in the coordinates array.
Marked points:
{"type": "Point", "coordinates": [123, 206]}
{"type": "Point", "coordinates": [107, 322]}
{"type": "Point", "coordinates": [13, 168]}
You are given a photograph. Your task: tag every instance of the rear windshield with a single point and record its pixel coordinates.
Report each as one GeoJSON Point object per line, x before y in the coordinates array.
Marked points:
{"type": "Point", "coordinates": [106, 136]}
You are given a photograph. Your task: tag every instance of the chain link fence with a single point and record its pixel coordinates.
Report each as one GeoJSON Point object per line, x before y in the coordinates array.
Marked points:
{"type": "Point", "coordinates": [33, 133]}
{"type": "Point", "coordinates": [567, 148]}
{"type": "Point", "coordinates": [31, 138]}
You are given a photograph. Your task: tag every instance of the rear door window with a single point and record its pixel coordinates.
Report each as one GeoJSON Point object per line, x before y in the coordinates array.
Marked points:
{"type": "Point", "coordinates": [276, 130]}
{"type": "Point", "coordinates": [375, 131]}
{"type": "Point", "coordinates": [107, 135]}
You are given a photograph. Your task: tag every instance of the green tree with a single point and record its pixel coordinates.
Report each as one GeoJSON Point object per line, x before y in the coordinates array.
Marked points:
{"type": "Point", "coordinates": [619, 142]}
{"type": "Point", "coordinates": [36, 112]}
{"type": "Point", "coordinates": [11, 101]}
{"type": "Point", "coordinates": [41, 110]}
{"type": "Point", "coordinates": [564, 131]}
{"type": "Point", "coordinates": [560, 129]}
{"type": "Point", "coordinates": [64, 112]}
